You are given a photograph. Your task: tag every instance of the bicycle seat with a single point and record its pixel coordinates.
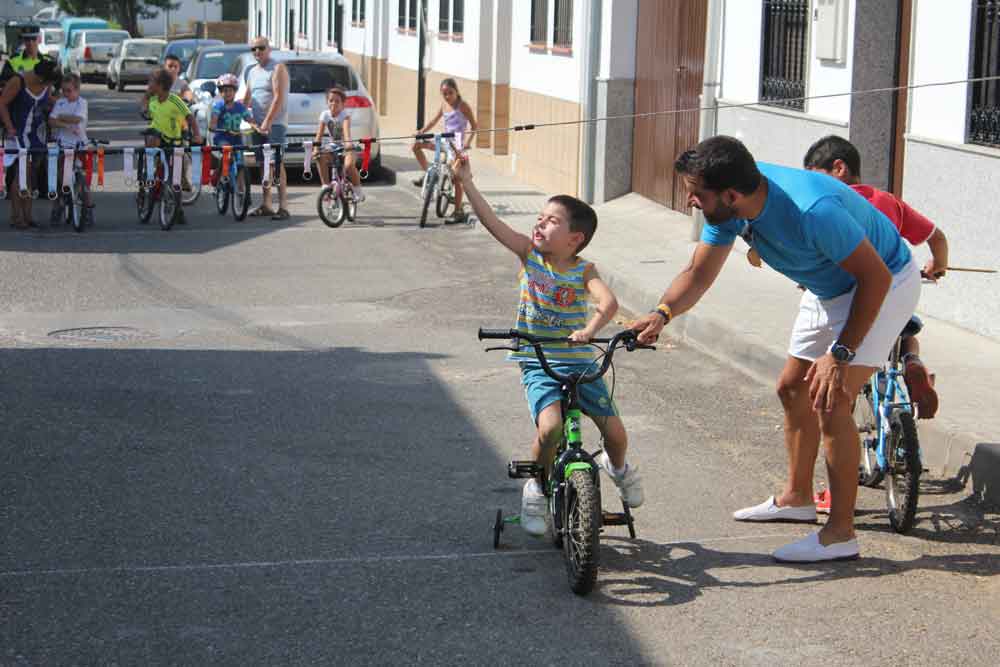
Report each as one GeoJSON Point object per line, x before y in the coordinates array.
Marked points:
{"type": "Point", "coordinates": [913, 327]}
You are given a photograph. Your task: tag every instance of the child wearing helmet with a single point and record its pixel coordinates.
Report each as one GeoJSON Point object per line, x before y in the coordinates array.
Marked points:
{"type": "Point", "coordinates": [227, 113]}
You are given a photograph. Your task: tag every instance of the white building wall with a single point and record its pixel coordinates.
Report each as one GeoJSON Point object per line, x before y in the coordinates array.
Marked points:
{"type": "Point", "coordinates": [450, 57]}
{"type": "Point", "coordinates": [941, 44]}
{"type": "Point", "coordinates": [619, 22]}
{"type": "Point", "coordinates": [190, 10]}
{"type": "Point", "coordinates": [544, 73]}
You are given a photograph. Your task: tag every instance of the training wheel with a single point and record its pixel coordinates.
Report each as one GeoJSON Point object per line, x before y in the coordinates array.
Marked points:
{"type": "Point", "coordinates": [628, 520]}
{"type": "Point", "coordinates": [497, 529]}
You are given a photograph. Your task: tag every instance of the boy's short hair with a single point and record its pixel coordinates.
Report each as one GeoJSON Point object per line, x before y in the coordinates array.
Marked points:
{"type": "Point", "coordinates": [172, 56]}
{"type": "Point", "coordinates": [823, 153]}
{"type": "Point", "coordinates": [338, 91]}
{"type": "Point", "coordinates": [722, 163]}
{"type": "Point", "coordinates": [582, 217]}
{"type": "Point", "coordinates": [162, 78]}
{"type": "Point", "coordinates": [72, 78]}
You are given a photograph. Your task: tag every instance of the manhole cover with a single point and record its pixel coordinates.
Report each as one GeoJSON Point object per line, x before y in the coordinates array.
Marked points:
{"type": "Point", "coordinates": [102, 334]}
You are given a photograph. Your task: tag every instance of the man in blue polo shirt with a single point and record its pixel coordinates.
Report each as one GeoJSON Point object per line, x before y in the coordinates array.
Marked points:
{"type": "Point", "coordinates": [861, 285]}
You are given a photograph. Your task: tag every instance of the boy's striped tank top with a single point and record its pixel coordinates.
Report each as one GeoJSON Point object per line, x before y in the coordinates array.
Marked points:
{"type": "Point", "coordinates": [552, 304]}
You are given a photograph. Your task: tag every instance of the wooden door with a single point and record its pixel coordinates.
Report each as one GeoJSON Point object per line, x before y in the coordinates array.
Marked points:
{"type": "Point", "coordinates": [670, 52]}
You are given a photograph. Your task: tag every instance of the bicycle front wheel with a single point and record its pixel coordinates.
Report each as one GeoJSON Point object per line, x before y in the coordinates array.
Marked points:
{"type": "Point", "coordinates": [902, 488]}
{"type": "Point", "coordinates": [446, 196]}
{"type": "Point", "coordinates": [241, 194]}
{"type": "Point", "coordinates": [222, 197]}
{"type": "Point", "coordinates": [78, 218]}
{"type": "Point", "coordinates": [869, 472]}
{"type": "Point", "coordinates": [348, 201]}
{"type": "Point", "coordinates": [144, 203]}
{"type": "Point", "coordinates": [430, 186]}
{"type": "Point", "coordinates": [170, 207]}
{"type": "Point", "coordinates": [330, 207]}
{"type": "Point", "coordinates": [582, 519]}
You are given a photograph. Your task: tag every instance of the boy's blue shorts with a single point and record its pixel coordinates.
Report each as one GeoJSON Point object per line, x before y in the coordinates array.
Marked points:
{"type": "Point", "coordinates": [542, 391]}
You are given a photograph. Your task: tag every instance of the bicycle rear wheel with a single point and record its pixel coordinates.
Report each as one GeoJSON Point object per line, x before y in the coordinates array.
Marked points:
{"type": "Point", "coordinates": [430, 185]}
{"type": "Point", "coordinates": [330, 207]}
{"type": "Point", "coordinates": [222, 197]}
{"type": "Point", "coordinates": [241, 194]}
{"type": "Point", "coordinates": [78, 218]}
{"type": "Point", "coordinates": [170, 207]}
{"type": "Point", "coordinates": [902, 488]}
{"type": "Point", "coordinates": [348, 201]}
{"type": "Point", "coordinates": [869, 472]}
{"type": "Point", "coordinates": [144, 203]}
{"type": "Point", "coordinates": [582, 519]}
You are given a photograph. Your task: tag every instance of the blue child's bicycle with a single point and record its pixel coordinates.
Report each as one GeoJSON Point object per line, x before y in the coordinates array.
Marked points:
{"type": "Point", "coordinates": [232, 183]}
{"type": "Point", "coordinates": [571, 482]}
{"type": "Point", "coordinates": [890, 449]}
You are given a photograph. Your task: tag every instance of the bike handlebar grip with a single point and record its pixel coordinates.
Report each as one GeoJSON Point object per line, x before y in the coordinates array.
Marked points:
{"type": "Point", "coordinates": [424, 137]}
{"type": "Point", "coordinates": [485, 334]}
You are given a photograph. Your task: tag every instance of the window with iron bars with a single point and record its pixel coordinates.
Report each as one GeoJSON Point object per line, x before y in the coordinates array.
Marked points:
{"type": "Point", "coordinates": [783, 53]}
{"type": "Point", "coordinates": [401, 19]}
{"type": "Point", "coordinates": [412, 19]}
{"type": "Point", "coordinates": [539, 21]}
{"type": "Point", "coordinates": [458, 17]}
{"type": "Point", "coordinates": [562, 34]}
{"type": "Point", "coordinates": [444, 17]}
{"type": "Point", "coordinates": [984, 100]}
{"type": "Point", "coordinates": [358, 12]}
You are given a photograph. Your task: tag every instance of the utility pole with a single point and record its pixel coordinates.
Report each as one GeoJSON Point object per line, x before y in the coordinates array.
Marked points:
{"type": "Point", "coordinates": [421, 78]}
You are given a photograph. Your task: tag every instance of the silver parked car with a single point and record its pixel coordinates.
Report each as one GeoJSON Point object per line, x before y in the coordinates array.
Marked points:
{"type": "Point", "coordinates": [133, 61]}
{"type": "Point", "coordinates": [91, 51]}
{"type": "Point", "coordinates": [310, 76]}
{"type": "Point", "coordinates": [51, 42]}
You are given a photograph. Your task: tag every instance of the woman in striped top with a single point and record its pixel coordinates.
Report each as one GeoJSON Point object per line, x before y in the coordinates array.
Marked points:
{"type": "Point", "coordinates": [555, 286]}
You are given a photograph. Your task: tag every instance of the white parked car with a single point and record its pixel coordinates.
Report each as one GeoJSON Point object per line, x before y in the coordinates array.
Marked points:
{"type": "Point", "coordinates": [50, 42]}
{"type": "Point", "coordinates": [91, 51]}
{"type": "Point", "coordinates": [310, 76]}
{"type": "Point", "coordinates": [133, 61]}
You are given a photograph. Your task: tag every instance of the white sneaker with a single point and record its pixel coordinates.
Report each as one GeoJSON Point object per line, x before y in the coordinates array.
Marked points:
{"type": "Point", "coordinates": [629, 483]}
{"type": "Point", "coordinates": [770, 511]}
{"type": "Point", "coordinates": [534, 507]}
{"type": "Point", "coordinates": [809, 550]}
{"type": "Point", "coordinates": [359, 196]}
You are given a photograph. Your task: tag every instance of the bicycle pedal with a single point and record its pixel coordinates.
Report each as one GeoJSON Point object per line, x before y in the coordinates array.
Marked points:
{"type": "Point", "coordinates": [614, 519]}
{"type": "Point", "coordinates": [523, 469]}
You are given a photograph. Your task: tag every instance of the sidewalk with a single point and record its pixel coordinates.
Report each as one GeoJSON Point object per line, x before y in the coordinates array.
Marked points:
{"type": "Point", "coordinates": [746, 318]}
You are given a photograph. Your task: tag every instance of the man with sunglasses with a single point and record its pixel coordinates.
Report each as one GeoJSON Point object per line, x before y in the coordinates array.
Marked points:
{"type": "Point", "coordinates": [267, 98]}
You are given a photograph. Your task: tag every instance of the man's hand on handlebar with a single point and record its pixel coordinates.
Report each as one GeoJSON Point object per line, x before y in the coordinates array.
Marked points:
{"type": "Point", "coordinates": [932, 271]}
{"type": "Point", "coordinates": [648, 328]}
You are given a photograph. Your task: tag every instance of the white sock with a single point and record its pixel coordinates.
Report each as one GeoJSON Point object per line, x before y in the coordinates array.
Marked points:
{"type": "Point", "coordinates": [617, 472]}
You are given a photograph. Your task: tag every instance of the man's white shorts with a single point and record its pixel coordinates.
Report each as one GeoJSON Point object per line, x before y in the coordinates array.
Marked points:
{"type": "Point", "coordinates": [820, 321]}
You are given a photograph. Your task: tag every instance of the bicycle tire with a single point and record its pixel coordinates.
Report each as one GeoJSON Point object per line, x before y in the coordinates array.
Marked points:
{"type": "Point", "coordinates": [76, 196]}
{"type": "Point", "coordinates": [222, 198]}
{"type": "Point", "coordinates": [330, 207]}
{"type": "Point", "coordinates": [869, 472]}
{"type": "Point", "coordinates": [902, 488]}
{"type": "Point", "coordinates": [348, 201]}
{"type": "Point", "coordinates": [190, 197]}
{"type": "Point", "coordinates": [430, 184]}
{"type": "Point", "coordinates": [144, 203]}
{"type": "Point", "coordinates": [446, 196]}
{"type": "Point", "coordinates": [241, 194]}
{"type": "Point", "coordinates": [170, 207]}
{"type": "Point", "coordinates": [582, 518]}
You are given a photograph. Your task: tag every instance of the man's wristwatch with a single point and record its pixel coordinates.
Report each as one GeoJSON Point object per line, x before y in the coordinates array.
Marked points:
{"type": "Point", "coordinates": [663, 310]}
{"type": "Point", "coordinates": [842, 354]}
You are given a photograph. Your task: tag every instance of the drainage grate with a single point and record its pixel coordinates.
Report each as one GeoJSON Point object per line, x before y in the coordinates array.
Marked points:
{"type": "Point", "coordinates": [102, 334]}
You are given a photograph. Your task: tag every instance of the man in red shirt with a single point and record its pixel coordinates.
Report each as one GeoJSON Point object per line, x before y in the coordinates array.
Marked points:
{"type": "Point", "coordinates": [839, 158]}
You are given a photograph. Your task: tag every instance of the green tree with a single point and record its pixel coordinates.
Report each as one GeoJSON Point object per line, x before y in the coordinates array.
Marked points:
{"type": "Point", "coordinates": [125, 12]}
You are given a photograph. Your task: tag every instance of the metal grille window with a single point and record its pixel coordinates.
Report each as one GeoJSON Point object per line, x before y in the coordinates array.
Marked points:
{"type": "Point", "coordinates": [303, 14]}
{"type": "Point", "coordinates": [783, 62]}
{"type": "Point", "coordinates": [444, 17]}
{"type": "Point", "coordinates": [539, 21]}
{"type": "Point", "coordinates": [358, 12]}
{"type": "Point", "coordinates": [984, 107]}
{"type": "Point", "coordinates": [563, 28]}
{"type": "Point", "coordinates": [412, 18]}
{"type": "Point", "coordinates": [401, 21]}
{"type": "Point", "coordinates": [361, 11]}
{"type": "Point", "coordinates": [458, 17]}
{"type": "Point", "coordinates": [329, 21]}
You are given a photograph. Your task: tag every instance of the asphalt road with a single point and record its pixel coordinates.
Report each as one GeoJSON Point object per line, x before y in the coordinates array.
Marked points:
{"type": "Point", "coordinates": [285, 445]}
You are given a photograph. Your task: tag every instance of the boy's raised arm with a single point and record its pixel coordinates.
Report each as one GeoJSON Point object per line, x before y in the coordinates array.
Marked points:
{"type": "Point", "coordinates": [516, 242]}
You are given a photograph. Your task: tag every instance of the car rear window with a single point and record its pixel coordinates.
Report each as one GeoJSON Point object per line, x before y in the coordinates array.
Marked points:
{"type": "Point", "coordinates": [53, 36]}
{"type": "Point", "coordinates": [106, 37]}
{"type": "Point", "coordinates": [318, 77]}
{"type": "Point", "coordinates": [143, 50]}
{"type": "Point", "coordinates": [213, 63]}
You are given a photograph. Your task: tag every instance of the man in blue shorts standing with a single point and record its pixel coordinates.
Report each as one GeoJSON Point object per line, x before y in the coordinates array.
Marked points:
{"type": "Point", "coordinates": [861, 284]}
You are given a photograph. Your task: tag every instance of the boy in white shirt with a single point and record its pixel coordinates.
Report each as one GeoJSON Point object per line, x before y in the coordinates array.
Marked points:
{"type": "Point", "coordinates": [69, 120]}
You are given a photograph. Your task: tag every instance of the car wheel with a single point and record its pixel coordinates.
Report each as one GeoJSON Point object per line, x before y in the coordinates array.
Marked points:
{"type": "Point", "coordinates": [111, 84]}
{"type": "Point", "coordinates": [121, 85]}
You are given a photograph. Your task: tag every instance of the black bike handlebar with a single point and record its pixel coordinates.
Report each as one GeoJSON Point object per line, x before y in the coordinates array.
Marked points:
{"type": "Point", "coordinates": [626, 338]}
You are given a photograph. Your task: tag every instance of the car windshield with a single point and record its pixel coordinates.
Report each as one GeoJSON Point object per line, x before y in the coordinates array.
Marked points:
{"type": "Point", "coordinates": [143, 50]}
{"type": "Point", "coordinates": [106, 37]}
{"type": "Point", "coordinates": [318, 77]}
{"type": "Point", "coordinates": [53, 36]}
{"type": "Point", "coordinates": [213, 63]}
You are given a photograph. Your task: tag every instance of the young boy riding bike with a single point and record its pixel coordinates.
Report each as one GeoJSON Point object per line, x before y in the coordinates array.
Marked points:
{"type": "Point", "coordinates": [555, 284]}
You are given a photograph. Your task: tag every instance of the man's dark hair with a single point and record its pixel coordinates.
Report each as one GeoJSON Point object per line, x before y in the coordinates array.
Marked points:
{"type": "Point", "coordinates": [823, 153]}
{"type": "Point", "coordinates": [163, 78]}
{"type": "Point", "coordinates": [172, 56]}
{"type": "Point", "coordinates": [582, 217]}
{"type": "Point", "coordinates": [48, 71]}
{"type": "Point", "coordinates": [721, 163]}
